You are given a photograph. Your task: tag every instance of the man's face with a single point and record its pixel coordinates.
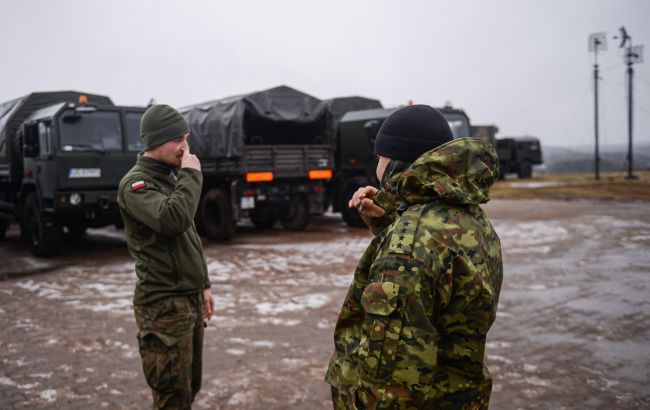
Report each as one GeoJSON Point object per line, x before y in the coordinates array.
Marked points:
{"type": "Point", "coordinates": [381, 166]}
{"type": "Point", "coordinates": [171, 152]}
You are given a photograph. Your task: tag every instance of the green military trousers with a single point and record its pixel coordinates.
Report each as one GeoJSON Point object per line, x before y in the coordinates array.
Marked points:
{"type": "Point", "coordinates": [171, 347]}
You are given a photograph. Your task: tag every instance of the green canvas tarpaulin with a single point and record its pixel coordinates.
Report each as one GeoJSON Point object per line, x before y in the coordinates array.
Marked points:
{"type": "Point", "coordinates": [280, 115]}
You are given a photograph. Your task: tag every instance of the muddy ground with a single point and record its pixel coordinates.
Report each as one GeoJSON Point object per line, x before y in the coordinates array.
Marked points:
{"type": "Point", "coordinates": [572, 332]}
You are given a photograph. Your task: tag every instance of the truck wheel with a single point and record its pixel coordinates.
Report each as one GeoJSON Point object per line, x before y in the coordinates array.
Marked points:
{"type": "Point", "coordinates": [525, 170]}
{"type": "Point", "coordinates": [4, 224]}
{"type": "Point", "coordinates": [351, 216]}
{"type": "Point", "coordinates": [297, 215]}
{"type": "Point", "coordinates": [215, 215]}
{"type": "Point", "coordinates": [43, 231]}
{"type": "Point", "coordinates": [263, 217]}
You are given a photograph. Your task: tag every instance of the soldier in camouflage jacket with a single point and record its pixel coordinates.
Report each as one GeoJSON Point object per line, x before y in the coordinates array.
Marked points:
{"type": "Point", "coordinates": [411, 332]}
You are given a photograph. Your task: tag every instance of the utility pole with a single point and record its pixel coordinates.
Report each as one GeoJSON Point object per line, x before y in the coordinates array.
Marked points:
{"type": "Point", "coordinates": [633, 54]}
{"type": "Point", "coordinates": [597, 42]}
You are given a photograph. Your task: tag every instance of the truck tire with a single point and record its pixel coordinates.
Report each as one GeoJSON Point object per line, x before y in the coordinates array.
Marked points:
{"type": "Point", "coordinates": [44, 232]}
{"type": "Point", "coordinates": [351, 216]}
{"type": "Point", "coordinates": [525, 170]}
{"type": "Point", "coordinates": [263, 217]}
{"type": "Point", "coordinates": [4, 224]}
{"type": "Point", "coordinates": [215, 215]}
{"type": "Point", "coordinates": [297, 216]}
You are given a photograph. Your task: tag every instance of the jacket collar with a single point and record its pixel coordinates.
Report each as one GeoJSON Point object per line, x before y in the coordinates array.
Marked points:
{"type": "Point", "coordinates": [154, 165]}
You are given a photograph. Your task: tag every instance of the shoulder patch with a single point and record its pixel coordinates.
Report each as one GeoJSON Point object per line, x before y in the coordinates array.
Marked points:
{"type": "Point", "coordinates": [403, 236]}
{"type": "Point", "coordinates": [137, 185]}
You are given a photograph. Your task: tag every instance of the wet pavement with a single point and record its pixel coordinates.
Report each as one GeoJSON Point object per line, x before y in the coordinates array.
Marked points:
{"type": "Point", "coordinates": [572, 330]}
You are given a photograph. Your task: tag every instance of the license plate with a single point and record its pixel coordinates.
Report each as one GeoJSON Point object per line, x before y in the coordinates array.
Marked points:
{"type": "Point", "coordinates": [247, 202]}
{"type": "Point", "coordinates": [84, 173]}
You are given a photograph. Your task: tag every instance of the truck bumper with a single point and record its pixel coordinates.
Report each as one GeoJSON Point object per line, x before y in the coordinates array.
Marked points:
{"type": "Point", "coordinates": [91, 208]}
{"type": "Point", "coordinates": [276, 197]}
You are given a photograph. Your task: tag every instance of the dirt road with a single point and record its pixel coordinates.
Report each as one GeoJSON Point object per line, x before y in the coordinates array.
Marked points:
{"type": "Point", "coordinates": [573, 328]}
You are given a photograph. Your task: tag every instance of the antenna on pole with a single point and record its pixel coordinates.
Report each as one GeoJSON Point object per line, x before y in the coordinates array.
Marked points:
{"type": "Point", "coordinates": [633, 54]}
{"type": "Point", "coordinates": [597, 42]}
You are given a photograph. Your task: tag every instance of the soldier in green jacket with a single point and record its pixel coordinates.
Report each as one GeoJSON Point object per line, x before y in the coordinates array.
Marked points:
{"type": "Point", "coordinates": [157, 201]}
{"type": "Point", "coordinates": [412, 329]}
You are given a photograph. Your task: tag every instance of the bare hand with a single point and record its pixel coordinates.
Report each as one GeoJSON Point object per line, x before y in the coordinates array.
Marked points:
{"type": "Point", "coordinates": [190, 160]}
{"type": "Point", "coordinates": [208, 304]}
{"type": "Point", "coordinates": [362, 200]}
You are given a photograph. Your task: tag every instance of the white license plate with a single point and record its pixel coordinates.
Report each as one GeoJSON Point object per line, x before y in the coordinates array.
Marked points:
{"type": "Point", "coordinates": [84, 173]}
{"type": "Point", "coordinates": [247, 202]}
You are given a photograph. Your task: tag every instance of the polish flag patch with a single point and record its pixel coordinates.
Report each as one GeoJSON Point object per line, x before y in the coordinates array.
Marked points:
{"type": "Point", "coordinates": [137, 185]}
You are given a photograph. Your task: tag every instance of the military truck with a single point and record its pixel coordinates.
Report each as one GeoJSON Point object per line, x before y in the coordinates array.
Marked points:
{"type": "Point", "coordinates": [265, 155]}
{"type": "Point", "coordinates": [62, 155]}
{"type": "Point", "coordinates": [518, 155]}
{"type": "Point", "coordinates": [355, 159]}
{"type": "Point", "coordinates": [486, 133]}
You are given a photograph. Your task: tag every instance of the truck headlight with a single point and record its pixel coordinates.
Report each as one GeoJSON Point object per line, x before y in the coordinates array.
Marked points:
{"type": "Point", "coordinates": [75, 199]}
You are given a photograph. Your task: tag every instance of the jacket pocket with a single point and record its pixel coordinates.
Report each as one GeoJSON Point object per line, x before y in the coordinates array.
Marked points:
{"type": "Point", "coordinates": [381, 330]}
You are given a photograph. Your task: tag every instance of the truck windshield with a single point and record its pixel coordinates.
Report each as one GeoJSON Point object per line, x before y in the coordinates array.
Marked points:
{"type": "Point", "coordinates": [133, 131]}
{"type": "Point", "coordinates": [459, 125]}
{"type": "Point", "coordinates": [94, 131]}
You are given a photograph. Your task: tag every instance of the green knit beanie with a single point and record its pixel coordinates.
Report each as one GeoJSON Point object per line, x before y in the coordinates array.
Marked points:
{"type": "Point", "coordinates": [160, 124]}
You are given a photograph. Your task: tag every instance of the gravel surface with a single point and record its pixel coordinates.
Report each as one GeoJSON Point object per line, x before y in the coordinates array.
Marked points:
{"type": "Point", "coordinates": [572, 331]}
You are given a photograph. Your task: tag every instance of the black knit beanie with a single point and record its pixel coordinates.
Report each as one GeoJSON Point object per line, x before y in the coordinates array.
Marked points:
{"type": "Point", "coordinates": [410, 132]}
{"type": "Point", "coordinates": [160, 124]}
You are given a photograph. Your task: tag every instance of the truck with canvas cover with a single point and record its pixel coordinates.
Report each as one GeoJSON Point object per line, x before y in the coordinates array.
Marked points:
{"type": "Point", "coordinates": [518, 155]}
{"type": "Point", "coordinates": [347, 171]}
{"type": "Point", "coordinates": [266, 155]}
{"type": "Point", "coordinates": [62, 155]}
{"type": "Point", "coordinates": [355, 158]}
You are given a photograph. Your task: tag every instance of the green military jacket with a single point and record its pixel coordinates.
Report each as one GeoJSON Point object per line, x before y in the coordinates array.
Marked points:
{"type": "Point", "coordinates": [158, 209]}
{"type": "Point", "coordinates": [412, 329]}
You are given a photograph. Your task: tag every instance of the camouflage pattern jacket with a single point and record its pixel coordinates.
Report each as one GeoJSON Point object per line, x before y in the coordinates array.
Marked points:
{"type": "Point", "coordinates": [411, 332]}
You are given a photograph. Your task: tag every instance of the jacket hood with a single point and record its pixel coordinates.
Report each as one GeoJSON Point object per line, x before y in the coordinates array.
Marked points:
{"type": "Point", "coordinates": [459, 172]}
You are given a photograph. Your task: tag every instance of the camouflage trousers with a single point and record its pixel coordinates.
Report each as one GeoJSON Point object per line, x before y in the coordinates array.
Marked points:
{"type": "Point", "coordinates": [171, 348]}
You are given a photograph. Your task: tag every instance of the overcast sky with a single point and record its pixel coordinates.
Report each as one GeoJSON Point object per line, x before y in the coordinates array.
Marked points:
{"type": "Point", "coordinates": [522, 65]}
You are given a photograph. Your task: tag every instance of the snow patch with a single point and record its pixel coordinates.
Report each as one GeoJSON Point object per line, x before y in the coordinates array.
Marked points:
{"type": "Point", "coordinates": [500, 359]}
{"type": "Point", "coordinates": [298, 303]}
{"type": "Point", "coordinates": [277, 321]}
{"type": "Point", "coordinates": [48, 395]}
{"type": "Point", "coordinates": [538, 184]}
{"type": "Point", "coordinates": [536, 381]}
{"type": "Point", "coordinates": [241, 397]}
{"type": "Point", "coordinates": [530, 368]}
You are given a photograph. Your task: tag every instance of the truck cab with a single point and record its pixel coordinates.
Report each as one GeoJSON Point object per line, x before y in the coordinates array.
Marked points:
{"type": "Point", "coordinates": [72, 157]}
